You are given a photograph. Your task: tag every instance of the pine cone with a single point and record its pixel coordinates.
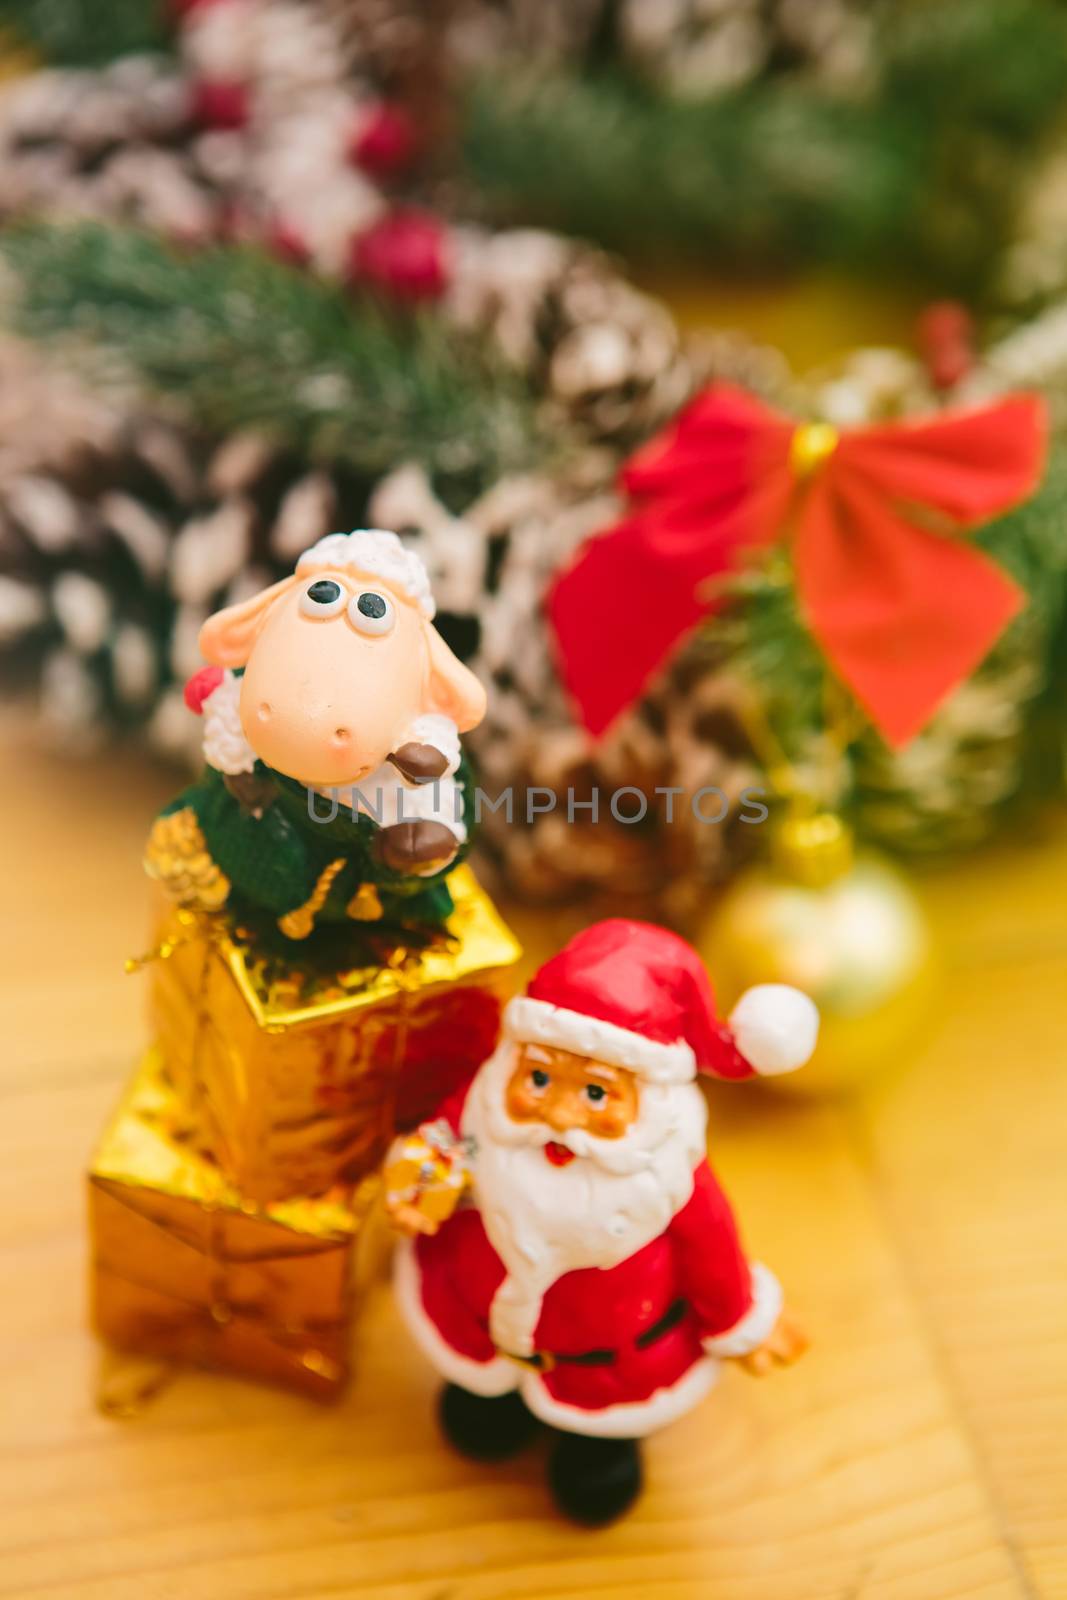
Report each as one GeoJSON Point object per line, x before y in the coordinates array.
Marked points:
{"type": "Point", "coordinates": [700, 48]}
{"type": "Point", "coordinates": [113, 143]}
{"type": "Point", "coordinates": [390, 39]}
{"type": "Point", "coordinates": [607, 357]}
{"type": "Point", "coordinates": [119, 533]}
{"type": "Point", "coordinates": [546, 32]}
{"type": "Point", "coordinates": [643, 843]}
{"type": "Point", "coordinates": [1032, 269]}
{"type": "Point", "coordinates": [136, 140]}
{"type": "Point", "coordinates": [383, 38]}
{"type": "Point", "coordinates": [946, 790]}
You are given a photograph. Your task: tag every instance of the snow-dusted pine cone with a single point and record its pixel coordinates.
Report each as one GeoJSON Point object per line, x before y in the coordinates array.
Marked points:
{"type": "Point", "coordinates": [85, 612]}
{"type": "Point", "coordinates": [390, 39]}
{"type": "Point", "coordinates": [702, 47]}
{"type": "Point", "coordinates": [547, 32]}
{"type": "Point", "coordinates": [119, 533]}
{"type": "Point", "coordinates": [945, 790]}
{"type": "Point", "coordinates": [249, 132]}
{"type": "Point", "coordinates": [277, 79]}
{"type": "Point", "coordinates": [384, 39]}
{"type": "Point", "coordinates": [106, 144]}
{"type": "Point", "coordinates": [607, 357]}
{"type": "Point", "coordinates": [668, 786]}
{"type": "Point", "coordinates": [1033, 355]}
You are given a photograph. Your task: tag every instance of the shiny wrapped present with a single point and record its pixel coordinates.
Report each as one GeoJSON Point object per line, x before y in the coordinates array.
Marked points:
{"type": "Point", "coordinates": [296, 1079]}
{"type": "Point", "coordinates": [184, 1267]}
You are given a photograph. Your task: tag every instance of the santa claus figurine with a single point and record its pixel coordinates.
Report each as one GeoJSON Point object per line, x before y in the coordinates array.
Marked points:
{"type": "Point", "coordinates": [573, 1261]}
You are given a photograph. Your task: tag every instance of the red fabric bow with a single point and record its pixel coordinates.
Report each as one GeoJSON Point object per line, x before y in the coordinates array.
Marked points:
{"type": "Point", "coordinates": [903, 609]}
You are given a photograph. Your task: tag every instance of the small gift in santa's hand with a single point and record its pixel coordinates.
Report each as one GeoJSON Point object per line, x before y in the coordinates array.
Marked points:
{"type": "Point", "coordinates": [425, 1175]}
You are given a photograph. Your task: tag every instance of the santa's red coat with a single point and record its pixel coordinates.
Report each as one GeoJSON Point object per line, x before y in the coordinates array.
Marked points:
{"type": "Point", "coordinates": [446, 1283]}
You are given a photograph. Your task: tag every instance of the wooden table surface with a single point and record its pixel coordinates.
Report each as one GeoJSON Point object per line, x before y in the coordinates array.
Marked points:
{"type": "Point", "coordinates": [918, 1453]}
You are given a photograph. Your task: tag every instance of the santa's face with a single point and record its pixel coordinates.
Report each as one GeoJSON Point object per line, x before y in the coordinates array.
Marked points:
{"type": "Point", "coordinates": [566, 1091]}
{"type": "Point", "coordinates": [556, 1190]}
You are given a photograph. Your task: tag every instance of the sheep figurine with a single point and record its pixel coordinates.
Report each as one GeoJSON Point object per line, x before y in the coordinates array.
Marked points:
{"type": "Point", "coordinates": [334, 788]}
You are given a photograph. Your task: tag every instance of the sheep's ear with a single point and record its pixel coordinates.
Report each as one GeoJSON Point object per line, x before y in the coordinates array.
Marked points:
{"type": "Point", "coordinates": [454, 690]}
{"type": "Point", "coordinates": [226, 638]}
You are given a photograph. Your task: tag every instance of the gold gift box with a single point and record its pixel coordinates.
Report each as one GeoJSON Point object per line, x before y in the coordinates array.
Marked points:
{"type": "Point", "coordinates": [185, 1268]}
{"type": "Point", "coordinates": [295, 1081]}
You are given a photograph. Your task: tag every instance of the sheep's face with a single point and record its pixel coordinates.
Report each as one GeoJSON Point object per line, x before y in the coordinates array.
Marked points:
{"type": "Point", "coordinates": [338, 666]}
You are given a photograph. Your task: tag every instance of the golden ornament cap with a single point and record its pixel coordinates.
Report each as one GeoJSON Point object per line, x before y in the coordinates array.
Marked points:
{"type": "Point", "coordinates": [859, 946]}
{"type": "Point", "coordinates": [813, 849]}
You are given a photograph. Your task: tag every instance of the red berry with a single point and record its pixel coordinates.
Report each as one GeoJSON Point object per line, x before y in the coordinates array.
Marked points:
{"type": "Point", "coordinates": [945, 319]}
{"type": "Point", "coordinates": [180, 9]}
{"type": "Point", "coordinates": [946, 342]}
{"type": "Point", "coordinates": [404, 254]}
{"type": "Point", "coordinates": [950, 365]}
{"type": "Point", "coordinates": [201, 686]}
{"type": "Point", "coordinates": [219, 103]}
{"type": "Point", "coordinates": [384, 140]}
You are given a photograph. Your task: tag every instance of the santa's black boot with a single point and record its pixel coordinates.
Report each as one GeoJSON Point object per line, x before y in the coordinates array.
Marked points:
{"type": "Point", "coordinates": [485, 1427]}
{"type": "Point", "coordinates": [594, 1480]}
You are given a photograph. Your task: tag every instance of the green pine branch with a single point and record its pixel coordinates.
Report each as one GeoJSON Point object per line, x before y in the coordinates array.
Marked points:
{"type": "Point", "coordinates": [760, 174]}
{"type": "Point", "coordinates": [239, 340]}
{"type": "Point", "coordinates": [993, 66]}
{"type": "Point", "coordinates": [923, 167]}
{"type": "Point", "coordinates": [86, 33]}
{"type": "Point", "coordinates": [1029, 543]}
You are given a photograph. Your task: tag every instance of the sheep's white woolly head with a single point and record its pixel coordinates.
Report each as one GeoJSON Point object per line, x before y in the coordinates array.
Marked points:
{"type": "Point", "coordinates": [374, 553]}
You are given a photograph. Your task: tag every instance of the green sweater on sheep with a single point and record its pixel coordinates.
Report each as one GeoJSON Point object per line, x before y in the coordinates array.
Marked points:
{"type": "Point", "coordinates": [295, 860]}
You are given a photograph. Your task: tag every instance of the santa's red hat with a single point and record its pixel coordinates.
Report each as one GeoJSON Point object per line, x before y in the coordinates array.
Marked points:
{"type": "Point", "coordinates": [639, 997]}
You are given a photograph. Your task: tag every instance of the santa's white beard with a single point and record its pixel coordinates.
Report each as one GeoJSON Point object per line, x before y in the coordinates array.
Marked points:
{"type": "Point", "coordinates": [595, 1211]}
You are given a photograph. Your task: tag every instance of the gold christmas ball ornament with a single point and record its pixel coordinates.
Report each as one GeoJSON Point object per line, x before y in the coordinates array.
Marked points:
{"type": "Point", "coordinates": [844, 927]}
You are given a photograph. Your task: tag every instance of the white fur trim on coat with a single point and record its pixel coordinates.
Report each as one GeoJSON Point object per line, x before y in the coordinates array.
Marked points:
{"type": "Point", "coordinates": [775, 1028]}
{"type": "Point", "coordinates": [632, 1419]}
{"type": "Point", "coordinates": [498, 1376]}
{"type": "Point", "coordinates": [531, 1021]}
{"type": "Point", "coordinates": [758, 1320]}
{"type": "Point", "coordinates": [628, 1420]}
{"type": "Point", "coordinates": [224, 744]}
{"type": "Point", "coordinates": [372, 553]}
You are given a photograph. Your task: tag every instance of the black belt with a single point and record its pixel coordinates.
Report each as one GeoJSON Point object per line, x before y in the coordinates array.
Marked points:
{"type": "Point", "coordinates": [545, 1360]}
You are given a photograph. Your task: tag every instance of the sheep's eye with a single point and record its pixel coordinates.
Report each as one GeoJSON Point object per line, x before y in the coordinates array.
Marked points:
{"type": "Point", "coordinates": [539, 1079]}
{"type": "Point", "coordinates": [595, 1092]}
{"type": "Point", "coordinates": [371, 612]}
{"type": "Point", "coordinates": [323, 598]}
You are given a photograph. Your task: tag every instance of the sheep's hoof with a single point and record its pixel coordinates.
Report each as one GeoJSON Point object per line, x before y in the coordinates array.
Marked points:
{"type": "Point", "coordinates": [416, 847]}
{"type": "Point", "coordinates": [253, 793]}
{"type": "Point", "coordinates": [419, 763]}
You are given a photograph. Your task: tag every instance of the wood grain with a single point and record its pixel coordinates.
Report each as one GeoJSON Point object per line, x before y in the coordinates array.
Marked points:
{"type": "Point", "coordinates": [918, 1453]}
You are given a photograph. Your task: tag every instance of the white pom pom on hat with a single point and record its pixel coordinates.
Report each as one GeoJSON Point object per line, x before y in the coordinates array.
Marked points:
{"type": "Point", "coordinates": [775, 1027]}
{"type": "Point", "coordinates": [638, 996]}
